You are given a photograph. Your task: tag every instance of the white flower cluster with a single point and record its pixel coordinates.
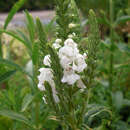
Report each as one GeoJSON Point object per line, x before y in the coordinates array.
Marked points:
{"type": "Point", "coordinates": [72, 63]}
{"type": "Point", "coordinates": [46, 75]}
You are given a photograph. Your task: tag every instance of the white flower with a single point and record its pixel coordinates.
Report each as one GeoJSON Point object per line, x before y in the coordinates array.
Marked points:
{"type": "Point", "coordinates": [66, 51]}
{"type": "Point", "coordinates": [58, 41]}
{"type": "Point", "coordinates": [71, 61]}
{"type": "Point", "coordinates": [56, 98]}
{"type": "Point", "coordinates": [47, 60]}
{"type": "Point", "coordinates": [85, 55]}
{"type": "Point", "coordinates": [66, 62]}
{"type": "Point", "coordinates": [72, 35]}
{"type": "Point", "coordinates": [41, 87]}
{"type": "Point", "coordinates": [44, 100]}
{"type": "Point", "coordinates": [79, 63]}
{"type": "Point", "coordinates": [56, 45]}
{"type": "Point", "coordinates": [72, 25]}
{"type": "Point", "coordinates": [70, 77]}
{"type": "Point", "coordinates": [46, 75]}
{"type": "Point", "coordinates": [70, 42]}
{"type": "Point", "coordinates": [54, 92]}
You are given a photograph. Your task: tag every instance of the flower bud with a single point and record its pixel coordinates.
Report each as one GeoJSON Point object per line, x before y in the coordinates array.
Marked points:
{"type": "Point", "coordinates": [72, 25]}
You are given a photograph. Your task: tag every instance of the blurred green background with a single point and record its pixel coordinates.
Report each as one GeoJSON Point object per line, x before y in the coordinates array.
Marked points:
{"type": "Point", "coordinates": [19, 84]}
{"type": "Point", "coordinates": [29, 4]}
{"type": "Point", "coordinates": [84, 5]}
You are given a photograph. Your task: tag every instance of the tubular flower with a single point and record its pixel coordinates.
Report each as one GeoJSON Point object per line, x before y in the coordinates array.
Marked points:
{"type": "Point", "coordinates": [71, 61]}
{"type": "Point", "coordinates": [70, 77]}
{"type": "Point", "coordinates": [46, 75]}
{"type": "Point", "coordinates": [79, 64]}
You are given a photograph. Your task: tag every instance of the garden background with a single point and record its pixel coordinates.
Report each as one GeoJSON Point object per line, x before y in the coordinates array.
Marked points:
{"type": "Point", "coordinates": [24, 45]}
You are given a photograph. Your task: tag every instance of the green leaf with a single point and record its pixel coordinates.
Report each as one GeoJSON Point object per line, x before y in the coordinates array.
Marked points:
{"type": "Point", "coordinates": [124, 65]}
{"type": "Point", "coordinates": [29, 67]}
{"type": "Point", "coordinates": [103, 19]}
{"type": "Point", "coordinates": [16, 37]}
{"type": "Point", "coordinates": [30, 25]}
{"type": "Point", "coordinates": [26, 101]}
{"type": "Point", "coordinates": [24, 37]}
{"type": "Point", "coordinates": [16, 66]}
{"type": "Point", "coordinates": [1, 52]}
{"type": "Point", "coordinates": [41, 32]}
{"type": "Point", "coordinates": [105, 44]}
{"type": "Point", "coordinates": [10, 63]}
{"type": "Point", "coordinates": [14, 9]}
{"type": "Point", "coordinates": [7, 75]}
{"type": "Point", "coordinates": [5, 123]}
{"type": "Point", "coordinates": [95, 110]}
{"type": "Point", "coordinates": [35, 53]}
{"type": "Point", "coordinates": [121, 125]}
{"type": "Point", "coordinates": [42, 40]}
{"type": "Point", "coordinates": [117, 99]}
{"type": "Point", "coordinates": [15, 116]}
{"type": "Point", "coordinates": [50, 25]}
{"type": "Point", "coordinates": [126, 102]}
{"type": "Point", "coordinates": [123, 47]}
{"type": "Point", "coordinates": [122, 19]}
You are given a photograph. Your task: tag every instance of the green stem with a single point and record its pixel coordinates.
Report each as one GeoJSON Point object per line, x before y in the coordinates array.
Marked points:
{"type": "Point", "coordinates": [37, 114]}
{"type": "Point", "coordinates": [1, 54]}
{"type": "Point", "coordinates": [85, 104]}
{"type": "Point", "coordinates": [111, 47]}
{"type": "Point", "coordinates": [64, 126]}
{"type": "Point", "coordinates": [72, 111]}
{"type": "Point", "coordinates": [88, 97]}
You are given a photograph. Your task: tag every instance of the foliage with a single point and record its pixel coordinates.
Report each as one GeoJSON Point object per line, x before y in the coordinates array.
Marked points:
{"type": "Point", "coordinates": [103, 105]}
{"type": "Point", "coordinates": [29, 4]}
{"type": "Point", "coordinates": [98, 5]}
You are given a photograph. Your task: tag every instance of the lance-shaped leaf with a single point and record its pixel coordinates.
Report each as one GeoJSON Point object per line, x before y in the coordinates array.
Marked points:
{"type": "Point", "coordinates": [16, 66]}
{"type": "Point", "coordinates": [1, 53]}
{"type": "Point", "coordinates": [15, 116]}
{"type": "Point", "coordinates": [24, 36]}
{"type": "Point", "coordinates": [7, 75]}
{"type": "Point", "coordinates": [26, 101]}
{"type": "Point", "coordinates": [42, 41]}
{"type": "Point", "coordinates": [35, 53]}
{"type": "Point", "coordinates": [18, 38]}
{"type": "Point", "coordinates": [41, 32]}
{"type": "Point", "coordinates": [14, 9]}
{"type": "Point", "coordinates": [122, 19]}
{"type": "Point", "coordinates": [30, 25]}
